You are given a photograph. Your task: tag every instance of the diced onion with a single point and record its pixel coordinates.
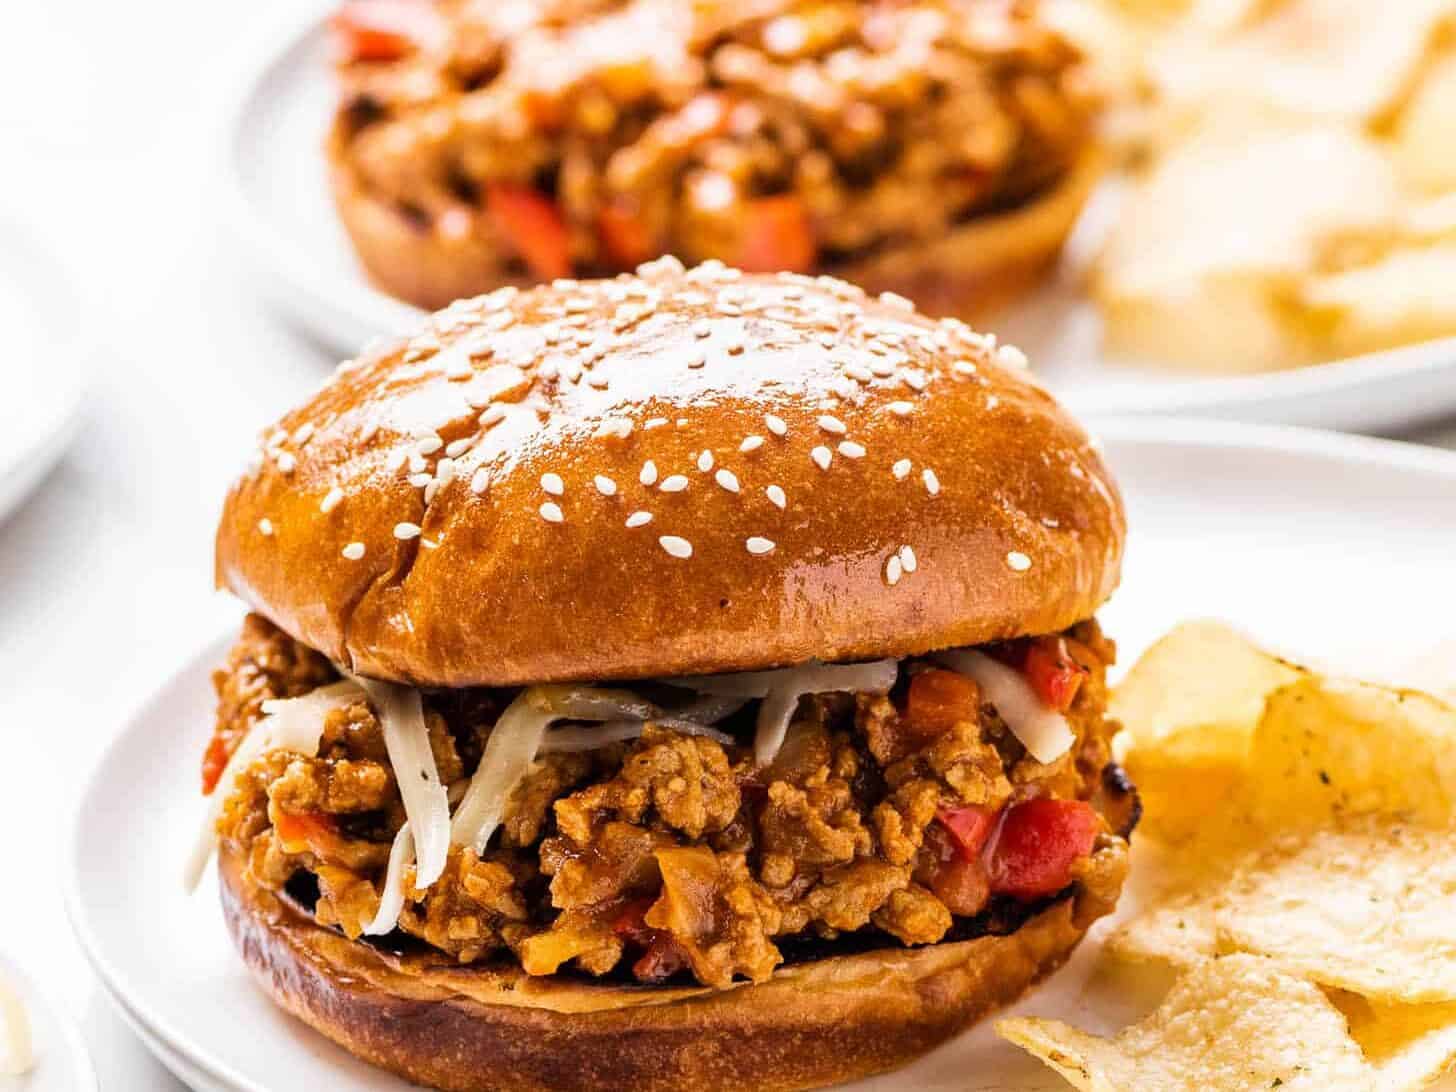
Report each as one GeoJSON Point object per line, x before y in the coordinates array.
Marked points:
{"type": "Point", "coordinates": [407, 739]}
{"type": "Point", "coordinates": [18, 1057]}
{"type": "Point", "coordinates": [781, 690]}
{"type": "Point", "coordinates": [509, 752]}
{"type": "Point", "coordinates": [590, 737]}
{"type": "Point", "coordinates": [1043, 732]}
{"type": "Point", "coordinates": [289, 724]}
{"type": "Point", "coordinates": [391, 899]}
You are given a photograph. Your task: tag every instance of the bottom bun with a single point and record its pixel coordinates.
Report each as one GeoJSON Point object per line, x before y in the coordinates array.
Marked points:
{"type": "Point", "coordinates": [473, 1029]}
{"type": "Point", "coordinates": [970, 272]}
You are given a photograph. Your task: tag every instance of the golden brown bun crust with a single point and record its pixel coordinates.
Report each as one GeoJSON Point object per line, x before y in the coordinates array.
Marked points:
{"type": "Point", "coordinates": [1024, 534]}
{"type": "Point", "coordinates": [971, 272]}
{"type": "Point", "coordinates": [813, 1024]}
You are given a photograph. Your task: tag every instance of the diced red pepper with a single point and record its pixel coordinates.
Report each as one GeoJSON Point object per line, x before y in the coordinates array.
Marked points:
{"type": "Point", "coordinates": [969, 827]}
{"type": "Point", "coordinates": [962, 884]}
{"type": "Point", "coordinates": [938, 700]}
{"type": "Point", "coordinates": [627, 241]}
{"type": "Point", "coordinates": [777, 236]}
{"type": "Point", "coordinates": [532, 223]}
{"type": "Point", "coordinates": [312, 830]}
{"type": "Point", "coordinates": [630, 923]}
{"type": "Point", "coordinates": [1054, 676]}
{"type": "Point", "coordinates": [383, 30]}
{"type": "Point", "coordinates": [1037, 844]}
{"type": "Point", "coordinates": [663, 959]}
{"type": "Point", "coordinates": [214, 761]}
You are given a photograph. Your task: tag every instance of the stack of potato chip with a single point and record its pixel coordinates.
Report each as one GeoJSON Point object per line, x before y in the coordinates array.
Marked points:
{"type": "Point", "coordinates": [1294, 198]}
{"type": "Point", "coordinates": [1304, 844]}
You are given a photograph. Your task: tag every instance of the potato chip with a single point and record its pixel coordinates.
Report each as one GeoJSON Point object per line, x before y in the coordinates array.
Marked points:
{"type": "Point", "coordinates": [1329, 748]}
{"type": "Point", "coordinates": [1403, 298]}
{"type": "Point", "coordinates": [1229, 1024]}
{"type": "Point", "coordinates": [1425, 134]}
{"type": "Point", "coordinates": [1367, 909]}
{"type": "Point", "coordinates": [1409, 1045]}
{"type": "Point", "coordinates": [1190, 706]}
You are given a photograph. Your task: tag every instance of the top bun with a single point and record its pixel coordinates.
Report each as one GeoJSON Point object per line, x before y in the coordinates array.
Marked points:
{"type": "Point", "coordinates": [681, 472]}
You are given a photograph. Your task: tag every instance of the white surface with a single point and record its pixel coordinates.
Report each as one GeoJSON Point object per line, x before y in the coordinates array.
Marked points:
{"type": "Point", "coordinates": [61, 1060]}
{"type": "Point", "coordinates": [41, 363]}
{"type": "Point", "coordinates": [1333, 546]}
{"type": "Point", "coordinates": [280, 209]}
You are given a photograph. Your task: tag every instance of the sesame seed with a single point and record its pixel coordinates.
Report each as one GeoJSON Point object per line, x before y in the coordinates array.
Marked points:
{"type": "Point", "coordinates": [751, 443]}
{"type": "Point", "coordinates": [420, 480]}
{"type": "Point", "coordinates": [605, 486]}
{"type": "Point", "coordinates": [727, 479]}
{"type": "Point", "coordinates": [674, 483]}
{"type": "Point", "coordinates": [654, 422]}
{"type": "Point", "coordinates": [456, 448]}
{"type": "Point", "coordinates": [759, 545]}
{"type": "Point", "coordinates": [480, 481]}
{"type": "Point", "coordinates": [821, 457]}
{"type": "Point", "coordinates": [695, 358]}
{"type": "Point", "coordinates": [858, 372]}
{"type": "Point", "coordinates": [331, 500]}
{"type": "Point", "coordinates": [932, 483]}
{"type": "Point", "coordinates": [901, 469]}
{"type": "Point", "coordinates": [964, 368]}
{"type": "Point", "coordinates": [882, 367]}
{"type": "Point", "coordinates": [992, 401]}
{"type": "Point", "coordinates": [832, 424]}
{"type": "Point", "coordinates": [702, 328]}
{"type": "Point", "coordinates": [599, 380]}
{"type": "Point", "coordinates": [493, 413]}
{"type": "Point", "coordinates": [553, 484]}
{"type": "Point", "coordinates": [893, 569]}
{"type": "Point", "coordinates": [286, 462]}
{"type": "Point", "coordinates": [445, 471]}
{"type": "Point", "coordinates": [705, 461]}
{"type": "Point", "coordinates": [677, 547]}
{"type": "Point", "coordinates": [851, 450]}
{"type": "Point", "coordinates": [897, 301]}
{"type": "Point", "coordinates": [429, 445]}
{"type": "Point", "coordinates": [265, 527]}
{"type": "Point", "coordinates": [417, 462]}
{"type": "Point", "coordinates": [303, 434]}
{"type": "Point", "coordinates": [901, 409]}
{"type": "Point", "coordinates": [776, 495]}
{"type": "Point", "coordinates": [916, 381]}
{"type": "Point", "coordinates": [395, 459]}
{"type": "Point", "coordinates": [1009, 356]}
{"type": "Point", "coordinates": [1018, 561]}
{"type": "Point", "coordinates": [551, 512]}
{"type": "Point", "coordinates": [638, 519]}
{"type": "Point", "coordinates": [354, 551]}
{"type": "Point", "coordinates": [775, 424]}
{"type": "Point", "coordinates": [406, 531]}
{"type": "Point", "coordinates": [431, 488]}
{"type": "Point", "coordinates": [908, 560]}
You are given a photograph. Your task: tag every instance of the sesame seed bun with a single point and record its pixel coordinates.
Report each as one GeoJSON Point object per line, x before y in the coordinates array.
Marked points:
{"type": "Point", "coordinates": [676, 473]}
{"type": "Point", "coordinates": [479, 1029]}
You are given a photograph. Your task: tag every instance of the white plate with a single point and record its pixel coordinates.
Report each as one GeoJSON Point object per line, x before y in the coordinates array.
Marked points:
{"type": "Point", "coordinates": [1336, 546]}
{"type": "Point", "coordinates": [62, 1063]}
{"type": "Point", "coordinates": [279, 207]}
{"type": "Point", "coordinates": [41, 366]}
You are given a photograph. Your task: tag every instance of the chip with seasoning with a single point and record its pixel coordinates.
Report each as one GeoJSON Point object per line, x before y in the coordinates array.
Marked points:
{"type": "Point", "coordinates": [1233, 1024]}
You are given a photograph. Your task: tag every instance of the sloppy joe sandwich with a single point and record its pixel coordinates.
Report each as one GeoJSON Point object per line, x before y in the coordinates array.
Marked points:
{"type": "Point", "coordinates": [682, 680]}
{"type": "Point", "coordinates": [938, 149]}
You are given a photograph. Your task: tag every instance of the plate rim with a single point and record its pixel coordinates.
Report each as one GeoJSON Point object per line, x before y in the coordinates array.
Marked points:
{"type": "Point", "coordinates": [1173, 432]}
{"type": "Point", "coordinates": [348, 314]}
{"type": "Point", "coordinates": [78, 1051]}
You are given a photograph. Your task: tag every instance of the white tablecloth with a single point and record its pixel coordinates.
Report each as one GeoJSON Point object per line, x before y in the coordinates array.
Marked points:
{"type": "Point", "coordinates": [109, 114]}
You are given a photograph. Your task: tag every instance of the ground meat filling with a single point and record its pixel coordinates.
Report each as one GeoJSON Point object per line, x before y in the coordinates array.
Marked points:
{"type": "Point", "coordinates": [586, 136]}
{"type": "Point", "coordinates": [897, 819]}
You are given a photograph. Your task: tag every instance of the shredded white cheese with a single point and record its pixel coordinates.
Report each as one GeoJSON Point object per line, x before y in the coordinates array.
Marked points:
{"type": "Point", "coordinates": [781, 690]}
{"type": "Point", "coordinates": [509, 752]}
{"type": "Point", "coordinates": [407, 739]}
{"type": "Point", "coordinates": [1043, 732]}
{"type": "Point", "coordinates": [292, 724]}
{"type": "Point", "coordinates": [18, 1057]}
{"type": "Point", "coordinates": [590, 737]}
{"type": "Point", "coordinates": [391, 899]}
